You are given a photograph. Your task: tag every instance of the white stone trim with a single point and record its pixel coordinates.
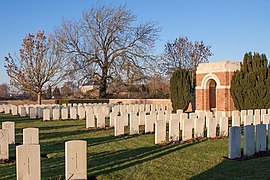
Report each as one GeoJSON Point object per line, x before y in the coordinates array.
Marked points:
{"type": "Point", "coordinates": [220, 87]}
{"type": "Point", "coordinates": [224, 66]}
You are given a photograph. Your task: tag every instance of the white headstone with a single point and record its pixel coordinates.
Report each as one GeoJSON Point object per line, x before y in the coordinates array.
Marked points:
{"type": "Point", "coordinates": [250, 112]}
{"type": "Point", "coordinates": [256, 119]}
{"type": "Point", "coordinates": [223, 126]}
{"type": "Point", "coordinates": [236, 121]}
{"type": "Point", "coordinates": [30, 136]}
{"type": "Point", "coordinates": [174, 123]}
{"type": "Point", "coordinates": [249, 140]}
{"type": "Point", "coordinates": [28, 162]}
{"type": "Point", "coordinates": [4, 151]}
{"type": "Point", "coordinates": [90, 119]}
{"type": "Point", "coordinates": [73, 113]}
{"type": "Point", "coordinates": [14, 110]}
{"type": "Point", "coordinates": [33, 112]}
{"type": "Point", "coordinates": [257, 112]}
{"type": "Point", "coordinates": [211, 127]}
{"type": "Point", "coordinates": [81, 112]}
{"type": "Point", "coordinates": [266, 118]}
{"type": "Point", "coordinates": [160, 131]}
{"type": "Point", "coordinates": [142, 117]}
{"type": "Point", "coordinates": [76, 159]}
{"type": "Point", "coordinates": [10, 126]}
{"type": "Point", "coordinates": [23, 111]}
{"type": "Point", "coordinates": [187, 129]}
{"type": "Point", "coordinates": [150, 121]}
{"type": "Point", "coordinates": [46, 114]}
{"type": "Point", "coordinates": [260, 137]}
{"type": "Point", "coordinates": [64, 113]}
{"type": "Point", "coordinates": [119, 128]}
{"type": "Point", "coordinates": [56, 113]}
{"type": "Point", "coordinates": [182, 117]}
{"type": "Point", "coordinates": [247, 119]}
{"type": "Point", "coordinates": [234, 142]}
{"type": "Point", "coordinates": [134, 123]}
{"type": "Point", "coordinates": [100, 120]}
{"type": "Point", "coordinates": [199, 127]}
{"type": "Point", "coordinates": [113, 114]}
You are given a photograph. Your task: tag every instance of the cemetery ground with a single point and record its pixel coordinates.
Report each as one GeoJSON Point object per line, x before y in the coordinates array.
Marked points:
{"type": "Point", "coordinates": [130, 156]}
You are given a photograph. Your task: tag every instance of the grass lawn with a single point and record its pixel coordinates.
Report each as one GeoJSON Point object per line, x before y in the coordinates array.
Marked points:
{"type": "Point", "coordinates": [132, 157]}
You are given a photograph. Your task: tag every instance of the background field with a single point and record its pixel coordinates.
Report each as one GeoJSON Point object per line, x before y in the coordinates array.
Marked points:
{"type": "Point", "coordinates": [132, 157]}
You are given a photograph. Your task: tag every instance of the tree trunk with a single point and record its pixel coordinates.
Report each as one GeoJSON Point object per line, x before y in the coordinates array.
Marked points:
{"type": "Point", "coordinates": [103, 88]}
{"type": "Point", "coordinates": [39, 98]}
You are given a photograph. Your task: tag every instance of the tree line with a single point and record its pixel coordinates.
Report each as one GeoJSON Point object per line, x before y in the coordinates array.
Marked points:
{"type": "Point", "coordinates": [107, 46]}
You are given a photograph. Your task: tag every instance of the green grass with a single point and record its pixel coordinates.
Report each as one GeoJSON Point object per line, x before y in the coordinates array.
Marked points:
{"type": "Point", "coordinates": [132, 157]}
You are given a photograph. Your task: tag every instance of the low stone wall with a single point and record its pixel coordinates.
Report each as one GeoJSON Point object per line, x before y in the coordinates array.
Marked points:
{"type": "Point", "coordinates": [141, 101]}
{"type": "Point", "coordinates": [22, 102]}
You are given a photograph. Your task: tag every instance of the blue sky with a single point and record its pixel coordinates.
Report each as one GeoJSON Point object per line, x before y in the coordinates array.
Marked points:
{"type": "Point", "coordinates": [231, 27]}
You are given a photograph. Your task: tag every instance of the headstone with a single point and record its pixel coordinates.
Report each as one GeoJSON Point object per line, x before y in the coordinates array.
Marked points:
{"type": "Point", "coordinates": [249, 140]}
{"type": "Point", "coordinates": [257, 112]}
{"type": "Point", "coordinates": [160, 131]}
{"type": "Point", "coordinates": [125, 118]}
{"type": "Point", "coordinates": [223, 126]}
{"type": "Point", "coordinates": [174, 126]}
{"type": "Point", "coordinates": [10, 126]}
{"type": "Point", "coordinates": [161, 116]}
{"type": "Point", "coordinates": [30, 136]}
{"type": "Point", "coordinates": [14, 110]}
{"type": "Point", "coordinates": [73, 113]}
{"type": "Point", "coordinates": [100, 120]}
{"type": "Point", "coordinates": [199, 127]}
{"type": "Point", "coordinates": [28, 162]}
{"type": "Point", "coordinates": [64, 113]}
{"type": "Point", "coordinates": [256, 119]}
{"type": "Point", "coordinates": [250, 112]}
{"type": "Point", "coordinates": [23, 111]}
{"type": "Point", "coordinates": [136, 108]}
{"type": "Point", "coordinates": [167, 116]}
{"type": "Point", "coordinates": [40, 112]}
{"type": "Point", "coordinates": [266, 118]}
{"type": "Point", "coordinates": [179, 111]}
{"type": "Point", "coordinates": [33, 112]}
{"type": "Point", "coordinates": [247, 119]}
{"type": "Point", "coordinates": [81, 112]}
{"type": "Point", "coordinates": [56, 113]}
{"type": "Point", "coordinates": [7, 109]}
{"type": "Point", "coordinates": [4, 151]}
{"type": "Point", "coordinates": [260, 137]}
{"type": "Point", "coordinates": [90, 119]}
{"type": "Point", "coordinates": [141, 107]}
{"type": "Point", "coordinates": [134, 123]}
{"type": "Point", "coordinates": [236, 121]}
{"type": "Point", "coordinates": [147, 108]}
{"type": "Point", "coordinates": [208, 114]}
{"type": "Point", "coordinates": [187, 129]}
{"type": "Point", "coordinates": [242, 114]}
{"type": "Point", "coordinates": [150, 121]}
{"type": "Point", "coordinates": [119, 128]}
{"type": "Point", "coordinates": [46, 114]}
{"type": "Point", "coordinates": [263, 111]}
{"type": "Point", "coordinates": [201, 115]}
{"type": "Point", "coordinates": [76, 159]}
{"type": "Point", "coordinates": [234, 142]}
{"type": "Point", "coordinates": [211, 127]}
{"type": "Point", "coordinates": [182, 117]}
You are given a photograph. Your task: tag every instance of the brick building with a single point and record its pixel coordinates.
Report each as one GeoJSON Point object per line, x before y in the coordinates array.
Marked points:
{"type": "Point", "coordinates": [213, 82]}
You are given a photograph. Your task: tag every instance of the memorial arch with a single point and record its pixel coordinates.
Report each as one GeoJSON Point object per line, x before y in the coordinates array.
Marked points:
{"type": "Point", "coordinates": [213, 82]}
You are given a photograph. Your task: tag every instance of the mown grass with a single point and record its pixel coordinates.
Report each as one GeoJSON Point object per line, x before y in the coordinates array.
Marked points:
{"type": "Point", "coordinates": [132, 157]}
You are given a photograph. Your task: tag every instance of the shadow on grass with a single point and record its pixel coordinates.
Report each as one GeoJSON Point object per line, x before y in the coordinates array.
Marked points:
{"type": "Point", "coordinates": [232, 169]}
{"type": "Point", "coordinates": [107, 162]}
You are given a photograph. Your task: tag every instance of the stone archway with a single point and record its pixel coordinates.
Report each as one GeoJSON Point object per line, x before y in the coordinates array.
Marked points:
{"type": "Point", "coordinates": [213, 81]}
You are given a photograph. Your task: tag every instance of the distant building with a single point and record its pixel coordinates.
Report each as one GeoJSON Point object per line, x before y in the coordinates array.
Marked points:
{"type": "Point", "coordinates": [90, 86]}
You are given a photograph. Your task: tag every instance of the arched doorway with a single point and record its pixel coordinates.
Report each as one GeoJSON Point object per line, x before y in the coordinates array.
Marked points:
{"type": "Point", "coordinates": [212, 94]}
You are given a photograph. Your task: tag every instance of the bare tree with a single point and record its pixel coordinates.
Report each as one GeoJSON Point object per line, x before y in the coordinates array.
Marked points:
{"type": "Point", "coordinates": [39, 66]}
{"type": "Point", "coordinates": [185, 54]}
{"type": "Point", "coordinates": [105, 40]}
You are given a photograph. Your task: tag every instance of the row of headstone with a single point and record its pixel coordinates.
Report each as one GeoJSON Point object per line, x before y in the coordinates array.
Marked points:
{"type": "Point", "coordinates": [28, 161]}
{"type": "Point", "coordinates": [156, 121]}
{"type": "Point", "coordinates": [254, 140]}
{"type": "Point", "coordinates": [248, 117]}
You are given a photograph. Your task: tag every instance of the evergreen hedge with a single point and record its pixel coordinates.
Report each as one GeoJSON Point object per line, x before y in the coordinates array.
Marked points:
{"type": "Point", "coordinates": [249, 85]}
{"type": "Point", "coordinates": [180, 87]}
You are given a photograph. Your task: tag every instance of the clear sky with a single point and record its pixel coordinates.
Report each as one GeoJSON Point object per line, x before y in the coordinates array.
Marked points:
{"type": "Point", "coordinates": [231, 27]}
